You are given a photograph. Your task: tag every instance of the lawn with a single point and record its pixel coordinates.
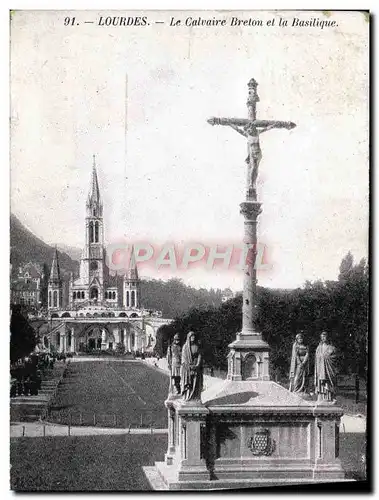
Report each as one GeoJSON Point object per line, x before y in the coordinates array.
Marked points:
{"type": "Point", "coordinates": [88, 463]}
{"type": "Point", "coordinates": [94, 463]}
{"type": "Point", "coordinates": [112, 394]}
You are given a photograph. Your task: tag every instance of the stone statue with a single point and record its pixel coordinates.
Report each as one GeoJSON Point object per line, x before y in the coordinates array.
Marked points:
{"type": "Point", "coordinates": [299, 365]}
{"type": "Point", "coordinates": [191, 369]}
{"type": "Point", "coordinates": [325, 370]}
{"type": "Point", "coordinates": [174, 360]}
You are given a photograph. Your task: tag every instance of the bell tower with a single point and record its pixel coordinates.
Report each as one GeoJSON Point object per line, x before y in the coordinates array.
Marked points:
{"type": "Point", "coordinates": [132, 285]}
{"type": "Point", "coordinates": [93, 261]}
{"type": "Point", "coordinates": [55, 295]}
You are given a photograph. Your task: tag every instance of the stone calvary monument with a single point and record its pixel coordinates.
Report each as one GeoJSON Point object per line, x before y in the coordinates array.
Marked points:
{"type": "Point", "coordinates": [247, 430]}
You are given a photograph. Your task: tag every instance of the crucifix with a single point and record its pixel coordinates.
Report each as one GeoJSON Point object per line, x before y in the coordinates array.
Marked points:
{"type": "Point", "coordinates": [250, 128]}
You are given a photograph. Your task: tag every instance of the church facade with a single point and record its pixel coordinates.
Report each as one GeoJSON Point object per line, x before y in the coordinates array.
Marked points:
{"type": "Point", "coordinates": [99, 310]}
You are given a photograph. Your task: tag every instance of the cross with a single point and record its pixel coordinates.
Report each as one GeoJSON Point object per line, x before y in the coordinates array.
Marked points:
{"type": "Point", "coordinates": [251, 128]}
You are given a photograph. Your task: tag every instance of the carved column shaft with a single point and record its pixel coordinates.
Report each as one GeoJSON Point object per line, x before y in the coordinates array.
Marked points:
{"type": "Point", "coordinates": [250, 210]}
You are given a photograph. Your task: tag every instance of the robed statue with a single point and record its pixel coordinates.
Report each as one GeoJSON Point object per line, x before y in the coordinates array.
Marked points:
{"type": "Point", "coordinates": [174, 361]}
{"type": "Point", "coordinates": [325, 370]}
{"type": "Point", "coordinates": [191, 369]}
{"type": "Point", "coordinates": [299, 365]}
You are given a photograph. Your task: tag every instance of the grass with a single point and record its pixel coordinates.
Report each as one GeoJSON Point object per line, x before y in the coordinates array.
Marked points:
{"type": "Point", "coordinates": [114, 463]}
{"type": "Point", "coordinates": [88, 463]}
{"type": "Point", "coordinates": [118, 393]}
{"type": "Point", "coordinates": [353, 455]}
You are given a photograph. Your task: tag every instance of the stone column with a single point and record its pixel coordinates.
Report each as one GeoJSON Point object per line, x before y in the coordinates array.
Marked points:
{"type": "Point", "coordinates": [249, 340]}
{"type": "Point", "coordinates": [250, 210]}
{"type": "Point", "coordinates": [103, 339]}
{"type": "Point", "coordinates": [171, 435]}
{"type": "Point", "coordinates": [62, 346]}
{"type": "Point", "coordinates": [130, 341]}
{"type": "Point", "coordinates": [73, 346]}
{"type": "Point", "coordinates": [125, 341]}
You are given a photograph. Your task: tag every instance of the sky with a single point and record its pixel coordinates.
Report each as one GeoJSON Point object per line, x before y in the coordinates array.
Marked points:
{"type": "Point", "coordinates": [139, 97]}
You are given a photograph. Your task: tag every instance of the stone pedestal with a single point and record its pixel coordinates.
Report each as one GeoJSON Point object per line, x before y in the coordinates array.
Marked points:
{"type": "Point", "coordinates": [250, 433]}
{"type": "Point", "coordinates": [185, 459]}
{"type": "Point", "coordinates": [248, 358]}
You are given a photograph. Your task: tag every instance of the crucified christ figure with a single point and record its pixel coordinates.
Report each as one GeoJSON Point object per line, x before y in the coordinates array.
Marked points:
{"type": "Point", "coordinates": [251, 130]}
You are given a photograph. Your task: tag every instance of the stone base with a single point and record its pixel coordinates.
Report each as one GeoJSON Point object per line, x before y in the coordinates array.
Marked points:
{"type": "Point", "coordinates": [246, 434]}
{"type": "Point", "coordinates": [162, 478]}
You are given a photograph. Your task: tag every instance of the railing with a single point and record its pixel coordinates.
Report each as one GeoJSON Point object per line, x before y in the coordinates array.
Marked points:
{"type": "Point", "coordinates": [140, 420]}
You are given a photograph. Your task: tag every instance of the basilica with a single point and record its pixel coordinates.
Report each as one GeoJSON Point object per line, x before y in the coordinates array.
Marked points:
{"type": "Point", "coordinates": [97, 310]}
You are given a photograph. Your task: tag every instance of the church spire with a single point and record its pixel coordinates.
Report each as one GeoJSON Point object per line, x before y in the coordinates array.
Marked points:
{"type": "Point", "coordinates": [94, 193]}
{"type": "Point", "coordinates": [132, 273]}
{"type": "Point", "coordinates": [55, 274]}
{"type": "Point", "coordinates": [94, 203]}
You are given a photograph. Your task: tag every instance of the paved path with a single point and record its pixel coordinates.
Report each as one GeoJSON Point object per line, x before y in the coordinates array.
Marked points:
{"type": "Point", "coordinates": [32, 429]}
{"type": "Point", "coordinates": [79, 359]}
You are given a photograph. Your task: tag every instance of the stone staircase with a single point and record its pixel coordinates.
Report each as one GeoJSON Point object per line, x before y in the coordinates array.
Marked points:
{"type": "Point", "coordinates": [32, 408]}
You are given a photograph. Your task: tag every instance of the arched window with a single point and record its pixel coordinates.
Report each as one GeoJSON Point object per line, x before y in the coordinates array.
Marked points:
{"type": "Point", "coordinates": [49, 299]}
{"type": "Point", "coordinates": [127, 299]}
{"type": "Point", "coordinates": [96, 232]}
{"type": "Point", "coordinates": [55, 299]}
{"type": "Point", "coordinates": [133, 299]}
{"type": "Point", "coordinates": [82, 295]}
{"type": "Point", "coordinates": [94, 293]}
{"type": "Point", "coordinates": [114, 295]}
{"type": "Point", "coordinates": [58, 340]}
{"type": "Point", "coordinates": [91, 232]}
{"type": "Point", "coordinates": [74, 296]}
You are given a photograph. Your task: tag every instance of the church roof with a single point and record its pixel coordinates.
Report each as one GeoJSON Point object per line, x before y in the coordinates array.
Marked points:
{"type": "Point", "coordinates": [55, 274]}
{"type": "Point", "coordinates": [34, 270]}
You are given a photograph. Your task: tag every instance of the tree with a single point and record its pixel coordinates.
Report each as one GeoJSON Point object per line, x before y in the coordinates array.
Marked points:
{"type": "Point", "coordinates": [339, 307]}
{"type": "Point", "coordinates": [23, 337]}
{"type": "Point", "coordinates": [346, 267]}
{"type": "Point", "coordinates": [44, 285]}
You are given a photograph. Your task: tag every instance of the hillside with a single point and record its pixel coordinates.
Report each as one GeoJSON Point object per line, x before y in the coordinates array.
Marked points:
{"type": "Point", "coordinates": [172, 297]}
{"type": "Point", "coordinates": [26, 247]}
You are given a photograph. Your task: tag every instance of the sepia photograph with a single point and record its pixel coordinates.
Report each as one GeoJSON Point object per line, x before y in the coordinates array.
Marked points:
{"type": "Point", "coordinates": [189, 250]}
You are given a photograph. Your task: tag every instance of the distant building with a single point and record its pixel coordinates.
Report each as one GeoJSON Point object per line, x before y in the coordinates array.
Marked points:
{"type": "Point", "coordinates": [98, 311]}
{"type": "Point", "coordinates": [94, 286]}
{"type": "Point", "coordinates": [26, 288]}
{"type": "Point", "coordinates": [27, 294]}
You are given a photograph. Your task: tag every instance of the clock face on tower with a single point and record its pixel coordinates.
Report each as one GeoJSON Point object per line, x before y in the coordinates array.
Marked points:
{"type": "Point", "coordinates": [94, 266]}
